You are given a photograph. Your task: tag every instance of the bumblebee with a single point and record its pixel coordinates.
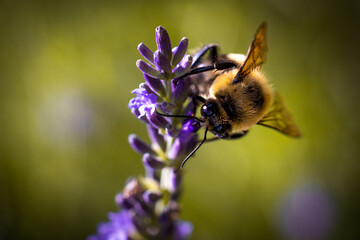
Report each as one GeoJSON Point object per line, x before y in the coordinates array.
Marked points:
{"type": "Point", "coordinates": [234, 94]}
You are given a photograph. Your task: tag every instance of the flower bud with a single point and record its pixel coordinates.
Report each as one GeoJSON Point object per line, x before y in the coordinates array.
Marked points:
{"type": "Point", "coordinates": [180, 89]}
{"type": "Point", "coordinates": [146, 68]}
{"type": "Point", "coordinates": [180, 51]}
{"type": "Point", "coordinates": [139, 145]}
{"type": "Point", "coordinates": [156, 85]}
{"type": "Point", "coordinates": [163, 41]}
{"type": "Point", "coordinates": [183, 67]}
{"type": "Point", "coordinates": [152, 161]}
{"type": "Point", "coordinates": [162, 63]}
{"type": "Point", "coordinates": [146, 52]}
{"type": "Point", "coordinates": [157, 120]}
{"type": "Point", "coordinates": [156, 138]}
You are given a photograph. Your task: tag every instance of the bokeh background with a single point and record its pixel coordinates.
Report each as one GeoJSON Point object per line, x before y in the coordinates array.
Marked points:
{"type": "Point", "coordinates": [66, 72]}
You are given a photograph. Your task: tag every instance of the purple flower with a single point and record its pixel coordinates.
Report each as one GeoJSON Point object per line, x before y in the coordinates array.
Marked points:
{"type": "Point", "coordinates": [156, 85]}
{"type": "Point", "coordinates": [191, 125]}
{"type": "Point", "coordinates": [149, 207]}
{"type": "Point", "coordinates": [182, 146]}
{"type": "Point", "coordinates": [144, 102]}
{"type": "Point", "coordinates": [120, 227]}
{"type": "Point", "coordinates": [165, 63]}
{"type": "Point", "coordinates": [182, 230]}
{"type": "Point", "coordinates": [183, 67]}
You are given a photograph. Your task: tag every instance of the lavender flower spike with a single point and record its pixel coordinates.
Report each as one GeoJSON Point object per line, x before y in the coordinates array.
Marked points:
{"type": "Point", "coordinates": [149, 205]}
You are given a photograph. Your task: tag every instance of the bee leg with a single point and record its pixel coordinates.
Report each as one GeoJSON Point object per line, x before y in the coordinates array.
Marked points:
{"type": "Point", "coordinates": [200, 70]}
{"type": "Point", "coordinates": [198, 98]}
{"type": "Point", "coordinates": [222, 65]}
{"type": "Point", "coordinates": [194, 71]}
{"type": "Point", "coordinates": [216, 63]}
{"type": "Point", "coordinates": [179, 116]}
{"type": "Point", "coordinates": [200, 54]}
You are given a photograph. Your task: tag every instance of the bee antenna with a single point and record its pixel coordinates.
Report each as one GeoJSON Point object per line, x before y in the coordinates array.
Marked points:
{"type": "Point", "coordinates": [195, 149]}
{"type": "Point", "coordinates": [180, 116]}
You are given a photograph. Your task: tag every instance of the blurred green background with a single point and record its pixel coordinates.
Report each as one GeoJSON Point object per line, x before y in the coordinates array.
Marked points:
{"type": "Point", "coordinates": [66, 72]}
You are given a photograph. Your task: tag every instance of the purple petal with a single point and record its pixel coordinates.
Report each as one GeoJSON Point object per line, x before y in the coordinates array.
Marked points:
{"type": "Point", "coordinates": [191, 125]}
{"type": "Point", "coordinates": [177, 150]}
{"type": "Point", "coordinates": [163, 41]}
{"type": "Point", "coordinates": [146, 52]}
{"type": "Point", "coordinates": [151, 197]}
{"type": "Point", "coordinates": [157, 120]}
{"type": "Point", "coordinates": [152, 161]}
{"type": "Point", "coordinates": [155, 84]}
{"type": "Point", "coordinates": [141, 91]}
{"type": "Point", "coordinates": [145, 89]}
{"type": "Point", "coordinates": [121, 219]}
{"type": "Point", "coordinates": [180, 89]}
{"type": "Point", "coordinates": [138, 207]}
{"type": "Point", "coordinates": [183, 67]}
{"type": "Point", "coordinates": [174, 50]}
{"type": "Point", "coordinates": [189, 109]}
{"type": "Point", "coordinates": [180, 51]}
{"type": "Point", "coordinates": [162, 63]}
{"type": "Point", "coordinates": [182, 146]}
{"type": "Point", "coordinates": [182, 230]}
{"type": "Point", "coordinates": [146, 68]}
{"type": "Point", "coordinates": [155, 137]}
{"type": "Point", "coordinates": [137, 114]}
{"type": "Point", "coordinates": [147, 110]}
{"type": "Point", "coordinates": [119, 198]}
{"type": "Point", "coordinates": [120, 227]}
{"type": "Point", "coordinates": [152, 173]}
{"type": "Point", "coordinates": [139, 145]}
{"type": "Point", "coordinates": [134, 103]}
{"type": "Point", "coordinates": [121, 201]}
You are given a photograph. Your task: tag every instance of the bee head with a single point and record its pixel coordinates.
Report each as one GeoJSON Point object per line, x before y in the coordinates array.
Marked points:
{"type": "Point", "coordinates": [217, 124]}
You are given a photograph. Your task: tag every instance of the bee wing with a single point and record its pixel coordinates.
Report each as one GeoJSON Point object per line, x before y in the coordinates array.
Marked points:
{"type": "Point", "coordinates": [279, 118]}
{"type": "Point", "coordinates": [256, 54]}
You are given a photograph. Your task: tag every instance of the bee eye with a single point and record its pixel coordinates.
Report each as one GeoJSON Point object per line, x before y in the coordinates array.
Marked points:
{"type": "Point", "coordinates": [208, 110]}
{"type": "Point", "coordinates": [221, 128]}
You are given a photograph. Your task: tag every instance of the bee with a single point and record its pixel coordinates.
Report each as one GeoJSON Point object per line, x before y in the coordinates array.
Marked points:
{"type": "Point", "coordinates": [235, 95]}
